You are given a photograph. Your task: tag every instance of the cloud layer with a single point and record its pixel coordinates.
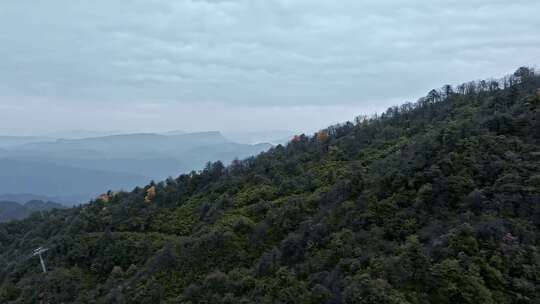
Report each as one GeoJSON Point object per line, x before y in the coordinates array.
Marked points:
{"type": "Point", "coordinates": [256, 53]}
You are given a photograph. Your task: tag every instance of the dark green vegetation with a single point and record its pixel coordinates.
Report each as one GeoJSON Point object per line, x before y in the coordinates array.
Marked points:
{"type": "Point", "coordinates": [432, 202]}
{"type": "Point", "coordinates": [10, 210]}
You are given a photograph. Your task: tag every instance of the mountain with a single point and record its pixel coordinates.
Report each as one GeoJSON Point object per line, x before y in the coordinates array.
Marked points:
{"type": "Point", "coordinates": [174, 132]}
{"type": "Point", "coordinates": [14, 211]}
{"type": "Point", "coordinates": [37, 205]}
{"type": "Point", "coordinates": [19, 176]}
{"type": "Point", "coordinates": [271, 136]}
{"type": "Point", "coordinates": [124, 145]}
{"type": "Point", "coordinates": [11, 141]}
{"type": "Point", "coordinates": [94, 165]}
{"type": "Point", "coordinates": [436, 201]}
{"type": "Point", "coordinates": [22, 198]}
{"type": "Point", "coordinates": [79, 134]}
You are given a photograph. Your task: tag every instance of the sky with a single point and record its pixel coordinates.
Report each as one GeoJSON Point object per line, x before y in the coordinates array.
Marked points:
{"type": "Point", "coordinates": [233, 65]}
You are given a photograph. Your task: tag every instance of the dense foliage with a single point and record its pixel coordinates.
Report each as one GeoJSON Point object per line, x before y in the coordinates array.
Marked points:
{"type": "Point", "coordinates": [432, 202]}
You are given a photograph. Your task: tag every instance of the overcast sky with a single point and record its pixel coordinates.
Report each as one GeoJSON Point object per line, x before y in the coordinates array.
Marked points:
{"type": "Point", "coordinates": [150, 65]}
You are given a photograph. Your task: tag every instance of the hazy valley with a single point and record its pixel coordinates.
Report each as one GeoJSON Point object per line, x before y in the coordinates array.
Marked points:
{"type": "Point", "coordinates": [78, 169]}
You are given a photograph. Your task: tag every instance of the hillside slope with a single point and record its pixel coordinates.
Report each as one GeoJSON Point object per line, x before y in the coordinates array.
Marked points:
{"type": "Point", "coordinates": [432, 202]}
{"type": "Point", "coordinates": [10, 210]}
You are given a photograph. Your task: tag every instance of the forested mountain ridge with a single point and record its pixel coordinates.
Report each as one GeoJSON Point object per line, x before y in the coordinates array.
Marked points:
{"type": "Point", "coordinates": [432, 202]}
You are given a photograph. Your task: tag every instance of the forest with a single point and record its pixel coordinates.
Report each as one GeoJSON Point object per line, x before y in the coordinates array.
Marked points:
{"type": "Point", "coordinates": [436, 201]}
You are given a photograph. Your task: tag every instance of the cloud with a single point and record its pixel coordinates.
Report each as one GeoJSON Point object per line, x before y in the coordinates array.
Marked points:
{"type": "Point", "coordinates": [258, 53]}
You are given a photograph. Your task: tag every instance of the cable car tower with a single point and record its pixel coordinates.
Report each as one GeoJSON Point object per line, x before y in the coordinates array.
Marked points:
{"type": "Point", "coordinates": [38, 252]}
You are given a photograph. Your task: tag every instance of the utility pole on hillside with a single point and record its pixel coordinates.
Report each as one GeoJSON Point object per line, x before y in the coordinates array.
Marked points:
{"type": "Point", "coordinates": [44, 296]}
{"type": "Point", "coordinates": [38, 252]}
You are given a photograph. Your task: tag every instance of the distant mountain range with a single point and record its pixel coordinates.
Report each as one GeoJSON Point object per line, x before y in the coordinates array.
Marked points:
{"type": "Point", "coordinates": [78, 169]}
{"type": "Point", "coordinates": [22, 198]}
{"type": "Point", "coordinates": [271, 136]}
{"type": "Point", "coordinates": [78, 134]}
{"type": "Point", "coordinates": [15, 211]}
{"type": "Point", "coordinates": [12, 141]}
